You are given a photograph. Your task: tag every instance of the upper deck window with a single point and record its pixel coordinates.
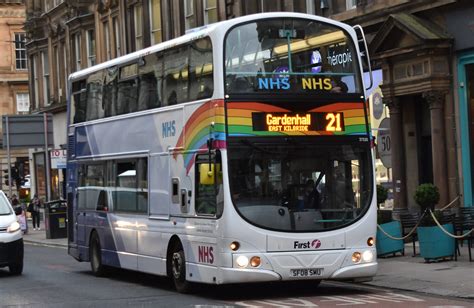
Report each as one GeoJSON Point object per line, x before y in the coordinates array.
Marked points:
{"type": "Point", "coordinates": [290, 55]}
{"type": "Point", "coordinates": [176, 75]}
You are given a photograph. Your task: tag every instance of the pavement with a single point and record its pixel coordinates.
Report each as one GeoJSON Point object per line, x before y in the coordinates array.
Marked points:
{"type": "Point", "coordinates": [445, 278]}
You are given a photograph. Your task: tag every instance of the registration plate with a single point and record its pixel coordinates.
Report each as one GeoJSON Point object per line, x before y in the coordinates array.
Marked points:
{"type": "Point", "coordinates": [306, 272]}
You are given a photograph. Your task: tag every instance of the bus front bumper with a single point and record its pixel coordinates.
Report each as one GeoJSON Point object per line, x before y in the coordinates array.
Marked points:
{"type": "Point", "coordinates": [311, 265]}
{"type": "Point", "coordinates": [355, 272]}
{"type": "Point", "coordinates": [358, 272]}
{"type": "Point", "coordinates": [237, 275]}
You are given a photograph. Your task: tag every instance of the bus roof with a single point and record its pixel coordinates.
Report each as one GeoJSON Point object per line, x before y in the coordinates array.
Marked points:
{"type": "Point", "coordinates": [197, 33]}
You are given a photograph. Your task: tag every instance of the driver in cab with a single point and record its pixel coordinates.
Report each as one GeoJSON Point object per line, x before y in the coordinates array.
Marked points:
{"type": "Point", "coordinates": [310, 197]}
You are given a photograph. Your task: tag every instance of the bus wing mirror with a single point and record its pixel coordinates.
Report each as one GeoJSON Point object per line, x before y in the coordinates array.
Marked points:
{"type": "Point", "coordinates": [364, 52]}
{"type": "Point", "coordinates": [206, 174]}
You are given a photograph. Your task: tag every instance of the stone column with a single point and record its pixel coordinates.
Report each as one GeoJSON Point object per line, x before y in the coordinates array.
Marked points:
{"type": "Point", "coordinates": [398, 157]}
{"type": "Point", "coordinates": [451, 153]}
{"type": "Point", "coordinates": [436, 101]}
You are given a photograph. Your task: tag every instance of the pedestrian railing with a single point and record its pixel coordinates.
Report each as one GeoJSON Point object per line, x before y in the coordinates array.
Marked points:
{"type": "Point", "coordinates": [463, 222]}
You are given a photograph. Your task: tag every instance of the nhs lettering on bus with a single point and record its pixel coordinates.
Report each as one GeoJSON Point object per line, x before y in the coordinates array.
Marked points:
{"type": "Point", "coordinates": [206, 254]}
{"type": "Point", "coordinates": [168, 129]}
{"type": "Point", "coordinates": [273, 83]}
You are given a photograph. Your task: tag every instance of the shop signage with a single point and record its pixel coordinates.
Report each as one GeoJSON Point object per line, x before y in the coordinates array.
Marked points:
{"type": "Point", "coordinates": [58, 159]}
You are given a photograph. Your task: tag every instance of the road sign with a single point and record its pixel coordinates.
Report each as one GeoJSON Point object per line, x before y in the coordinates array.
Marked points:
{"type": "Point", "coordinates": [384, 144]}
{"type": "Point", "coordinates": [27, 131]}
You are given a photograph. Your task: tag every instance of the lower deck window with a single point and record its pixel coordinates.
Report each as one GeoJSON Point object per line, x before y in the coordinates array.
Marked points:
{"type": "Point", "coordinates": [124, 183]}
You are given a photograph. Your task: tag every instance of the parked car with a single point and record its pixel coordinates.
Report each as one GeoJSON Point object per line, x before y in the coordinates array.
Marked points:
{"type": "Point", "coordinates": [11, 238]}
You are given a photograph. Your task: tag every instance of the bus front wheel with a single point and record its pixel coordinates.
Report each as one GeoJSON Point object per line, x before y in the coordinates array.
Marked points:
{"type": "Point", "coordinates": [178, 269]}
{"type": "Point", "coordinates": [95, 254]}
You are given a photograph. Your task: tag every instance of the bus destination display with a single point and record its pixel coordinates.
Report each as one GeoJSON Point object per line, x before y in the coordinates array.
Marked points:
{"type": "Point", "coordinates": [298, 122]}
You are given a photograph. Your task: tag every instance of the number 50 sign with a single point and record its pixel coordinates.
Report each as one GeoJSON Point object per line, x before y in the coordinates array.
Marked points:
{"type": "Point", "coordinates": [384, 146]}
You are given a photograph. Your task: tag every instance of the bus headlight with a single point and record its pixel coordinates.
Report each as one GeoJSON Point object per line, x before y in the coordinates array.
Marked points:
{"type": "Point", "coordinates": [242, 261]}
{"type": "Point", "coordinates": [368, 256]}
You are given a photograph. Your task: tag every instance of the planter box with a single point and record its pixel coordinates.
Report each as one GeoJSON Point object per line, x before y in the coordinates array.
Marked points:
{"type": "Point", "coordinates": [434, 243]}
{"type": "Point", "coordinates": [386, 245]}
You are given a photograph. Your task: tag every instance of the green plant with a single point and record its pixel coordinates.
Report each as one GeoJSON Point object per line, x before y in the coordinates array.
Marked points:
{"type": "Point", "coordinates": [382, 194]}
{"type": "Point", "coordinates": [427, 196]}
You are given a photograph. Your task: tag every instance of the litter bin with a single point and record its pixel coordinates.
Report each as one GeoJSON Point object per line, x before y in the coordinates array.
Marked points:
{"type": "Point", "coordinates": [55, 213]}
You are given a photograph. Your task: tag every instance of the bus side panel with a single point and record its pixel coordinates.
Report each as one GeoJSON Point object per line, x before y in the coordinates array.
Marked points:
{"type": "Point", "coordinates": [71, 209]}
{"type": "Point", "coordinates": [201, 252]}
{"type": "Point", "coordinates": [103, 226]}
{"type": "Point", "coordinates": [202, 256]}
{"type": "Point", "coordinates": [124, 228]}
{"type": "Point", "coordinates": [152, 248]}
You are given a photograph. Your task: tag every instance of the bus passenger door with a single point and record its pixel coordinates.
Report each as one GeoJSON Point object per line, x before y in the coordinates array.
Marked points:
{"type": "Point", "coordinates": [151, 250]}
{"type": "Point", "coordinates": [159, 186]}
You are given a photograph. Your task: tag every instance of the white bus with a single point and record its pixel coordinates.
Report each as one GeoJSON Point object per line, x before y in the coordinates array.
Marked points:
{"type": "Point", "coordinates": [239, 152]}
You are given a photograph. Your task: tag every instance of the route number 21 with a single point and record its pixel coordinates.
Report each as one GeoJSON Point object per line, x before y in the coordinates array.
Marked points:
{"type": "Point", "coordinates": [334, 124]}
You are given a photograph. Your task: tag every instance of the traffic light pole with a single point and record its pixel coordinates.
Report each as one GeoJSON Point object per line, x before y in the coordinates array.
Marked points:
{"type": "Point", "coordinates": [8, 158]}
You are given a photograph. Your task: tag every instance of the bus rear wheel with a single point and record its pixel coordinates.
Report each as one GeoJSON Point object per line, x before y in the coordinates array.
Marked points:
{"type": "Point", "coordinates": [95, 254]}
{"type": "Point", "coordinates": [178, 269]}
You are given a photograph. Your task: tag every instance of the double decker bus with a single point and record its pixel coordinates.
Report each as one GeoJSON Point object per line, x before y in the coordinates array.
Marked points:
{"type": "Point", "coordinates": [239, 152]}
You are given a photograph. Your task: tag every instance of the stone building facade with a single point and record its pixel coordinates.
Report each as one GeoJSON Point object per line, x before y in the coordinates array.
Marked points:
{"type": "Point", "coordinates": [424, 49]}
{"type": "Point", "coordinates": [14, 97]}
{"type": "Point", "coordinates": [418, 48]}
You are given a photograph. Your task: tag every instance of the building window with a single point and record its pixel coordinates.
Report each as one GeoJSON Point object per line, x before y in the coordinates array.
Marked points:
{"type": "Point", "coordinates": [108, 54]}
{"type": "Point", "coordinates": [116, 33]}
{"type": "Point", "coordinates": [351, 4]}
{"type": "Point", "coordinates": [57, 71]}
{"type": "Point", "coordinates": [210, 11]}
{"type": "Point", "coordinates": [300, 6]}
{"type": "Point", "coordinates": [65, 67]}
{"type": "Point", "coordinates": [51, 4]}
{"type": "Point", "coordinates": [48, 5]}
{"type": "Point", "coordinates": [34, 70]}
{"type": "Point", "coordinates": [190, 21]}
{"type": "Point", "coordinates": [138, 23]}
{"type": "Point", "coordinates": [269, 6]}
{"type": "Point", "coordinates": [90, 48]}
{"type": "Point", "coordinates": [45, 60]}
{"type": "Point", "coordinates": [22, 102]}
{"type": "Point", "coordinates": [20, 51]}
{"type": "Point", "coordinates": [155, 21]}
{"type": "Point", "coordinates": [77, 51]}
{"type": "Point", "coordinates": [310, 9]}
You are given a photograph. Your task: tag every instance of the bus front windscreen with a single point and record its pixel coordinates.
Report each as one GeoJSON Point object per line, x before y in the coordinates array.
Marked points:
{"type": "Point", "coordinates": [289, 55]}
{"type": "Point", "coordinates": [300, 186]}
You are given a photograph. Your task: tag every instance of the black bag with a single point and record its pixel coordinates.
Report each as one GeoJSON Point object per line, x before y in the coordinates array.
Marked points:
{"type": "Point", "coordinates": [30, 208]}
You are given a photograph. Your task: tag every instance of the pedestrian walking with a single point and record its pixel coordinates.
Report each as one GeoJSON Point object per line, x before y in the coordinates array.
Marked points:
{"type": "Point", "coordinates": [15, 201]}
{"type": "Point", "coordinates": [34, 209]}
